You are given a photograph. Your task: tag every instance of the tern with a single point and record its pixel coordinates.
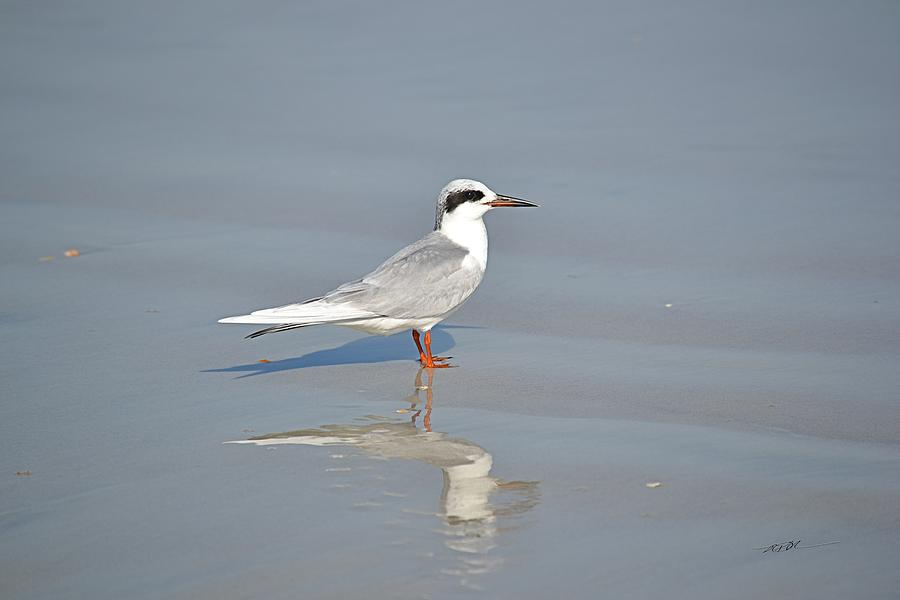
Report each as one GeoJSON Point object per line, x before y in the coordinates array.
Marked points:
{"type": "Point", "coordinates": [416, 288]}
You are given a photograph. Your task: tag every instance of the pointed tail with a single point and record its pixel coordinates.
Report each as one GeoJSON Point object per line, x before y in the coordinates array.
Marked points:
{"type": "Point", "coordinates": [295, 316]}
{"type": "Point", "coordinates": [277, 328]}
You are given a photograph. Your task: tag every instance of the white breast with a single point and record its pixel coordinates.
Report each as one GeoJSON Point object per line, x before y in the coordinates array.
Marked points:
{"type": "Point", "coordinates": [471, 235]}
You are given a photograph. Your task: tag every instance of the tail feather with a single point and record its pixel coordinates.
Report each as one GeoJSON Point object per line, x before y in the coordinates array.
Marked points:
{"type": "Point", "coordinates": [294, 316]}
{"type": "Point", "coordinates": [277, 328]}
{"type": "Point", "coordinates": [308, 312]}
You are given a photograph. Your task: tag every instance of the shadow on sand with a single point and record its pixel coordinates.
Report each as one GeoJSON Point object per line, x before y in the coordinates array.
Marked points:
{"type": "Point", "coordinates": [372, 349]}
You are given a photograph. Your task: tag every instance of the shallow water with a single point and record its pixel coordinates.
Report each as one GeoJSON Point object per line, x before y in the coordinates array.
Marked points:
{"type": "Point", "coordinates": [708, 298]}
{"type": "Point", "coordinates": [591, 521]}
{"type": "Point", "coordinates": [343, 495]}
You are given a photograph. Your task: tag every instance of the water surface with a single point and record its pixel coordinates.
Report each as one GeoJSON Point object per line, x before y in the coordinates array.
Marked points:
{"type": "Point", "coordinates": [708, 298]}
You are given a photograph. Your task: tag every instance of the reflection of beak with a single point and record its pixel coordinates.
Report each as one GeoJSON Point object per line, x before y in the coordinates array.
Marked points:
{"type": "Point", "coordinates": [510, 201]}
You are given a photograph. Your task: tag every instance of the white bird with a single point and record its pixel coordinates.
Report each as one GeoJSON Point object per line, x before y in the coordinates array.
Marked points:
{"type": "Point", "coordinates": [416, 288]}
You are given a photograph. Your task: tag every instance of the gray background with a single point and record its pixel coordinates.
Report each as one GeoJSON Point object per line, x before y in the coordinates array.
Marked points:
{"type": "Point", "coordinates": [735, 160]}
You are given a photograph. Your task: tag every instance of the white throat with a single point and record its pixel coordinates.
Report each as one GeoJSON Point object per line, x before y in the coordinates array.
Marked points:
{"type": "Point", "coordinates": [468, 233]}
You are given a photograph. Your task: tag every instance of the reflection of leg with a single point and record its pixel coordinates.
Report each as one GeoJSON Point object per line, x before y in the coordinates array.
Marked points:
{"type": "Point", "coordinates": [414, 399]}
{"type": "Point", "coordinates": [429, 396]}
{"type": "Point", "coordinates": [418, 383]}
{"type": "Point", "coordinates": [430, 361]}
{"type": "Point", "coordinates": [415, 335]}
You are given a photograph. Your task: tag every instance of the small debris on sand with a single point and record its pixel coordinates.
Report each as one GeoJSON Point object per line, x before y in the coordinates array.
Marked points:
{"type": "Point", "coordinates": [72, 252]}
{"type": "Point", "coordinates": [23, 473]}
{"type": "Point", "coordinates": [264, 360]}
{"type": "Point", "coordinates": [46, 258]}
{"type": "Point", "coordinates": [668, 305]}
{"type": "Point", "coordinates": [653, 484]}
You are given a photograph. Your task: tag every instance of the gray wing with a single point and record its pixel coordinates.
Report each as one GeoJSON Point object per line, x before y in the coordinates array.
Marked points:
{"type": "Point", "coordinates": [425, 279]}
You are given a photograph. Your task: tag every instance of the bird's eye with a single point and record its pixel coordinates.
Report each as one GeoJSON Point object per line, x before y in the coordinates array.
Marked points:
{"type": "Point", "coordinates": [470, 195]}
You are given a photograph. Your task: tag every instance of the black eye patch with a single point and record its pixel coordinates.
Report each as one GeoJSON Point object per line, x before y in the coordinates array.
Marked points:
{"type": "Point", "coordinates": [462, 196]}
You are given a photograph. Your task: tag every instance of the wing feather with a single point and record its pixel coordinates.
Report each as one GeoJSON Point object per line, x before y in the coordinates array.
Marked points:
{"type": "Point", "coordinates": [425, 279]}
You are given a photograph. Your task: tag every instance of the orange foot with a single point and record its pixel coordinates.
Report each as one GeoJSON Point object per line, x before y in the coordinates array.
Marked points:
{"type": "Point", "coordinates": [426, 358]}
{"type": "Point", "coordinates": [438, 366]}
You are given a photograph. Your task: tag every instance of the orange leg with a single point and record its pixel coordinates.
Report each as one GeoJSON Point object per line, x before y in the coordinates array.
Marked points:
{"type": "Point", "coordinates": [415, 335]}
{"type": "Point", "coordinates": [431, 361]}
{"type": "Point", "coordinates": [428, 347]}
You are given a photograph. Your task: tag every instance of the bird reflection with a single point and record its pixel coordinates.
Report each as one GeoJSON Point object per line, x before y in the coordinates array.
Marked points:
{"type": "Point", "coordinates": [471, 500]}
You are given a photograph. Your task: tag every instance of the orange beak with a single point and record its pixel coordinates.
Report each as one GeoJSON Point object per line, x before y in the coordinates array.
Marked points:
{"type": "Point", "coordinates": [510, 201]}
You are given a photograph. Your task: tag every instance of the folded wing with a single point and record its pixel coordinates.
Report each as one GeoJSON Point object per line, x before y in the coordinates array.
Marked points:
{"type": "Point", "coordinates": [424, 279]}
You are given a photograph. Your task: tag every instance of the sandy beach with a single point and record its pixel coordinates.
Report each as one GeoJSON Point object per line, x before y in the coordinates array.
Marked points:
{"type": "Point", "coordinates": [708, 299]}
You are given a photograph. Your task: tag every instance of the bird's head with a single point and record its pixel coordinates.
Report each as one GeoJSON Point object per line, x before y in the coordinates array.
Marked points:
{"type": "Point", "coordinates": [469, 200]}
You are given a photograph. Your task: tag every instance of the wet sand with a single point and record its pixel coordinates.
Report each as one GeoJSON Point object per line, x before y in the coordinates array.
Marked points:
{"type": "Point", "coordinates": [708, 298]}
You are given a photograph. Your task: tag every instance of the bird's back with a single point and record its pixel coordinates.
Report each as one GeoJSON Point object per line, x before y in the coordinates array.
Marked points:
{"type": "Point", "coordinates": [428, 278]}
